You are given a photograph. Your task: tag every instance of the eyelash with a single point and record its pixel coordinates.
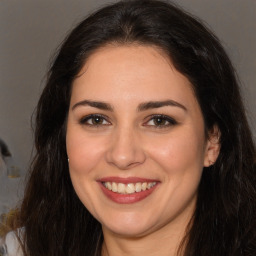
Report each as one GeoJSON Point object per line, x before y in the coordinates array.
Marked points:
{"type": "Point", "coordinates": [164, 118]}
{"type": "Point", "coordinates": [84, 120]}
{"type": "Point", "coordinates": [169, 120]}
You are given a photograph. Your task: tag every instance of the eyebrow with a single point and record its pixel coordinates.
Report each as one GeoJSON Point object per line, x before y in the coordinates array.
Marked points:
{"type": "Point", "coordinates": [159, 104]}
{"type": "Point", "coordinates": [94, 104]}
{"type": "Point", "coordinates": [142, 107]}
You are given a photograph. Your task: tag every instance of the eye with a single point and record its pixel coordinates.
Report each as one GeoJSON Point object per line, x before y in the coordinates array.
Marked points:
{"type": "Point", "coordinates": [160, 121]}
{"type": "Point", "coordinates": [94, 120]}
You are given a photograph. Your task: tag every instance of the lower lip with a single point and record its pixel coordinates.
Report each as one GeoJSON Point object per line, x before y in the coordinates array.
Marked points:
{"type": "Point", "coordinates": [126, 198]}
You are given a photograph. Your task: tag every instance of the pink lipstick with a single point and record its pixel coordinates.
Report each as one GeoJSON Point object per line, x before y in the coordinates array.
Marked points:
{"type": "Point", "coordinates": [127, 190]}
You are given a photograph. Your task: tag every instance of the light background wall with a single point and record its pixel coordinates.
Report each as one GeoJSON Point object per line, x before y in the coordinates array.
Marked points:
{"type": "Point", "coordinates": [30, 31]}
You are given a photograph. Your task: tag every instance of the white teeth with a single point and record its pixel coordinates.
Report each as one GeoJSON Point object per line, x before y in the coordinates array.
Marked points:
{"type": "Point", "coordinates": [120, 188]}
{"type": "Point", "coordinates": [108, 185]}
{"type": "Point", "coordinates": [114, 187]}
{"type": "Point", "coordinates": [138, 187]}
{"type": "Point", "coordinates": [150, 185]}
{"type": "Point", "coordinates": [130, 188]}
{"type": "Point", "coordinates": [144, 186]}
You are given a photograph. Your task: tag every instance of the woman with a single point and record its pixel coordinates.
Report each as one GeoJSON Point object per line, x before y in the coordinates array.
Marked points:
{"type": "Point", "coordinates": [142, 142]}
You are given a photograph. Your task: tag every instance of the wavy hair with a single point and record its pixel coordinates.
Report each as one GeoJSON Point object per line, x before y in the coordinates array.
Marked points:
{"type": "Point", "coordinates": [57, 223]}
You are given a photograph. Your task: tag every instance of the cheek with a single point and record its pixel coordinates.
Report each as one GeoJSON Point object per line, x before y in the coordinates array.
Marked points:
{"type": "Point", "coordinates": [84, 152]}
{"type": "Point", "coordinates": [182, 153]}
{"type": "Point", "coordinates": [180, 157]}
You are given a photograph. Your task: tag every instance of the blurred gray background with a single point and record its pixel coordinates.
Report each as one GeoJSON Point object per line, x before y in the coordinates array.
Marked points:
{"type": "Point", "coordinates": [32, 29]}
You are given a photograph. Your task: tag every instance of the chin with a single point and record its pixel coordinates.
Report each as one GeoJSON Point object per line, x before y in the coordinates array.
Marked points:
{"type": "Point", "coordinates": [128, 230]}
{"type": "Point", "coordinates": [128, 225]}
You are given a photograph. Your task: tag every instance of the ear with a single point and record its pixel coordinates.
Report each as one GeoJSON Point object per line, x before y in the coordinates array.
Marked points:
{"type": "Point", "coordinates": [212, 148]}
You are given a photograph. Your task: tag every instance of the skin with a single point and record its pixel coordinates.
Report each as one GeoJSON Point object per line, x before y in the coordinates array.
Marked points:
{"type": "Point", "coordinates": [129, 143]}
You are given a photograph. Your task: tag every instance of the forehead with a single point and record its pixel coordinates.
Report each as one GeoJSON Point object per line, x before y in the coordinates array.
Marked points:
{"type": "Point", "coordinates": [123, 72]}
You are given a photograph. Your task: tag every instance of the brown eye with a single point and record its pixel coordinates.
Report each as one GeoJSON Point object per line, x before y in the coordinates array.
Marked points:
{"type": "Point", "coordinates": [97, 120]}
{"type": "Point", "coordinates": [94, 120]}
{"type": "Point", "coordinates": [159, 121]}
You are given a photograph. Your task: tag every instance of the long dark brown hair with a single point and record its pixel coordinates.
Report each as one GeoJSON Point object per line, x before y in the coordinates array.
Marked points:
{"type": "Point", "coordinates": [224, 222]}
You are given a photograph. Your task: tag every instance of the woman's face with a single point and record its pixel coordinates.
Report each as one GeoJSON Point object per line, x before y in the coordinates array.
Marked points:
{"type": "Point", "coordinates": [135, 140]}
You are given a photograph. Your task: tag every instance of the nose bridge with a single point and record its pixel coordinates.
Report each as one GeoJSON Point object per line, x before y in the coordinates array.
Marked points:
{"type": "Point", "coordinates": [125, 150]}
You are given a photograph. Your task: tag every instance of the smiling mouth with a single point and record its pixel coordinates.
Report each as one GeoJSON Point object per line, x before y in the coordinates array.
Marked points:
{"type": "Point", "coordinates": [130, 188]}
{"type": "Point", "coordinates": [127, 190]}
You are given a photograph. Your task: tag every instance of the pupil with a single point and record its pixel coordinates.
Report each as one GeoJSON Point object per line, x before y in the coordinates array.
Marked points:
{"type": "Point", "coordinates": [159, 121]}
{"type": "Point", "coordinates": [97, 120]}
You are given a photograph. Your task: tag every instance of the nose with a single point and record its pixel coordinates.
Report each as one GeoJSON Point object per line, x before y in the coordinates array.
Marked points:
{"type": "Point", "coordinates": [125, 150]}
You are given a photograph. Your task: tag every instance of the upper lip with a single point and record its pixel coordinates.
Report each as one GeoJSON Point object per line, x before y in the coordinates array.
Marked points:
{"type": "Point", "coordinates": [126, 180]}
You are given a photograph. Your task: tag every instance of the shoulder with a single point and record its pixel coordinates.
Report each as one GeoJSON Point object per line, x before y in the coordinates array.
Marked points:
{"type": "Point", "coordinates": [11, 246]}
